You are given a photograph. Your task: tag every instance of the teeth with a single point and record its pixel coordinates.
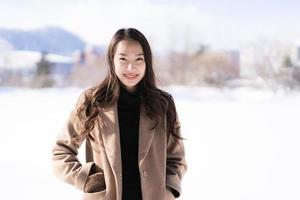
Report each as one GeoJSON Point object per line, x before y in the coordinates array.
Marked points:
{"type": "Point", "coordinates": [130, 76]}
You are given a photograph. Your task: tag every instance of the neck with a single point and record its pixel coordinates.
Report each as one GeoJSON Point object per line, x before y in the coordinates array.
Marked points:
{"type": "Point", "coordinates": [131, 90]}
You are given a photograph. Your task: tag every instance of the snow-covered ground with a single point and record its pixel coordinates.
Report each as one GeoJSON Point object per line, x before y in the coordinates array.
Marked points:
{"type": "Point", "coordinates": [241, 144]}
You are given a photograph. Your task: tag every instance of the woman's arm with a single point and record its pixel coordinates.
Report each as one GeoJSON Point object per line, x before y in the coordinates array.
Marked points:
{"type": "Point", "coordinates": [64, 154]}
{"type": "Point", "coordinates": [176, 164]}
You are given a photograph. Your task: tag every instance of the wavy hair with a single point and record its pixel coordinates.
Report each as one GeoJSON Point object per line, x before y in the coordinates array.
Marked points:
{"type": "Point", "coordinates": [157, 103]}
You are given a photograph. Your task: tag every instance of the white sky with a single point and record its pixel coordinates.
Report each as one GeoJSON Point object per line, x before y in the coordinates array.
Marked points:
{"type": "Point", "coordinates": [167, 24]}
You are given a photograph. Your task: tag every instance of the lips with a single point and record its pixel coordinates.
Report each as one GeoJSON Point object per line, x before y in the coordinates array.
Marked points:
{"type": "Point", "coordinates": [131, 76]}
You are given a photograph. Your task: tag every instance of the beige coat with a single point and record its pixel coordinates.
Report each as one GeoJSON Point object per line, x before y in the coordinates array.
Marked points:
{"type": "Point", "coordinates": [157, 154]}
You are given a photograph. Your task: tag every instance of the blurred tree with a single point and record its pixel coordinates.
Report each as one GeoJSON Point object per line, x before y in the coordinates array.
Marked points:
{"type": "Point", "coordinates": [287, 62]}
{"type": "Point", "coordinates": [43, 66]}
{"type": "Point", "coordinates": [43, 77]}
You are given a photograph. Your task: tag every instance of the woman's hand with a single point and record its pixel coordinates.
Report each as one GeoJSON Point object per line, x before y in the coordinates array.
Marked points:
{"type": "Point", "coordinates": [95, 183]}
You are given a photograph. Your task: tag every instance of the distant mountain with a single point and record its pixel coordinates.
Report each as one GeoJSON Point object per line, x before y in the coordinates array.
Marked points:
{"type": "Point", "coordinates": [49, 39]}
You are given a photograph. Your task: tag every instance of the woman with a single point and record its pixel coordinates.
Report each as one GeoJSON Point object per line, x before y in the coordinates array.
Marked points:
{"type": "Point", "coordinates": [134, 150]}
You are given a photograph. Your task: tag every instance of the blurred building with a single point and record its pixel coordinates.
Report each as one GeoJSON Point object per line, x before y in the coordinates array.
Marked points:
{"type": "Point", "coordinates": [216, 67]}
{"type": "Point", "coordinates": [20, 67]}
{"type": "Point", "coordinates": [89, 68]}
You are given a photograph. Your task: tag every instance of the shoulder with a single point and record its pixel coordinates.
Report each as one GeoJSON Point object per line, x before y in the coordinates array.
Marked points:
{"type": "Point", "coordinates": [167, 100]}
{"type": "Point", "coordinates": [85, 95]}
{"type": "Point", "coordinates": [166, 95]}
{"type": "Point", "coordinates": [162, 93]}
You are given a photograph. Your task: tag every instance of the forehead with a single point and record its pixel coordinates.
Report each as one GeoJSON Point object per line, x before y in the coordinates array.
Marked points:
{"type": "Point", "coordinates": [129, 47]}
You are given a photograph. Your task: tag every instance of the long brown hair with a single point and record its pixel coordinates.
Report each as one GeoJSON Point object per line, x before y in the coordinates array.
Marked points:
{"type": "Point", "coordinates": [157, 103]}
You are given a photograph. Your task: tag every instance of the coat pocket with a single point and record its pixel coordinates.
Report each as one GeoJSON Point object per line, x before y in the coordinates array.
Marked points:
{"type": "Point", "coordinates": [95, 183]}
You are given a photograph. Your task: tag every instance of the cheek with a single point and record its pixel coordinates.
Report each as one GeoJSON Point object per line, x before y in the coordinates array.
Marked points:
{"type": "Point", "coordinates": [143, 70]}
{"type": "Point", "coordinates": [118, 68]}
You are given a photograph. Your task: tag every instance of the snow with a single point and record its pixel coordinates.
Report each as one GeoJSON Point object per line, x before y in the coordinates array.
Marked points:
{"type": "Point", "coordinates": [240, 144]}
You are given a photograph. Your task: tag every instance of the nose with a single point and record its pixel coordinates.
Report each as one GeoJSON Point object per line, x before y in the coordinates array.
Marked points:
{"type": "Point", "coordinates": [130, 66]}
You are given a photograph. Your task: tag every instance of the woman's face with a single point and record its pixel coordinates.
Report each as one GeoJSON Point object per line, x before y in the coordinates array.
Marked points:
{"type": "Point", "coordinates": [129, 63]}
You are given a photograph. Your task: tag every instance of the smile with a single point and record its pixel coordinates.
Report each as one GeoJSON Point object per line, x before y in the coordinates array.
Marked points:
{"type": "Point", "coordinates": [130, 76]}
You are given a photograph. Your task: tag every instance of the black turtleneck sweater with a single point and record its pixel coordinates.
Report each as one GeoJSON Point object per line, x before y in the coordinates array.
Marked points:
{"type": "Point", "coordinates": [129, 115]}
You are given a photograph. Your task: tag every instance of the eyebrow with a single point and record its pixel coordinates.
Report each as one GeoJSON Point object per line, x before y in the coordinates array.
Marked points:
{"type": "Point", "coordinates": [123, 54]}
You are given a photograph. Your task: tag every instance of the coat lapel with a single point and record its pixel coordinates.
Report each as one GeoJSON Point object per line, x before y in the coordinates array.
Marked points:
{"type": "Point", "coordinates": [109, 126]}
{"type": "Point", "coordinates": [146, 135]}
{"type": "Point", "coordinates": [111, 136]}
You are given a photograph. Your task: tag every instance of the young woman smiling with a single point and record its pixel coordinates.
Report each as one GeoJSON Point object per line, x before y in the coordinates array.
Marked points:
{"type": "Point", "coordinates": [134, 148]}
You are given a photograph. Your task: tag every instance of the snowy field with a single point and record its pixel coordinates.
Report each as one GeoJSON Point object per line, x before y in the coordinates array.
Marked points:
{"type": "Point", "coordinates": [241, 144]}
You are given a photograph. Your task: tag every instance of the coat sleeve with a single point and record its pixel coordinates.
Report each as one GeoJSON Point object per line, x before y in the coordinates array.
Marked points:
{"type": "Point", "coordinates": [176, 164]}
{"type": "Point", "coordinates": [66, 165]}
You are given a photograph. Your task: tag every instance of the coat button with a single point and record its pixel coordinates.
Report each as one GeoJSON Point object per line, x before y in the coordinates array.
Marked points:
{"type": "Point", "coordinates": [120, 175]}
{"type": "Point", "coordinates": [144, 173]}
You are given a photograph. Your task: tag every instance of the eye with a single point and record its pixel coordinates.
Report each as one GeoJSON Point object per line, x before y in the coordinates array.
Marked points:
{"type": "Point", "coordinates": [121, 58]}
{"type": "Point", "coordinates": [140, 59]}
